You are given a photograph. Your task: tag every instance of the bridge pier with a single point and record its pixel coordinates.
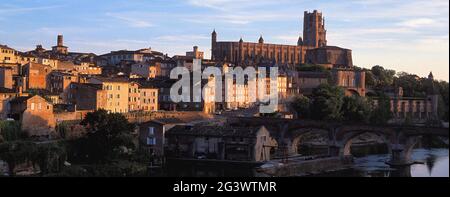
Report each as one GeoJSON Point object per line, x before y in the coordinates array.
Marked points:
{"type": "Point", "coordinates": [399, 157]}
{"type": "Point", "coordinates": [334, 150]}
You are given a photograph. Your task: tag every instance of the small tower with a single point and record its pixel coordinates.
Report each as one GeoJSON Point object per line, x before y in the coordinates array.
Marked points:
{"type": "Point", "coordinates": [314, 33]}
{"type": "Point", "coordinates": [213, 44]}
{"type": "Point", "coordinates": [430, 76]}
{"type": "Point", "coordinates": [300, 41]}
{"type": "Point", "coordinates": [241, 50]}
{"type": "Point", "coordinates": [60, 41]}
{"type": "Point", "coordinates": [261, 40]}
{"type": "Point", "coordinates": [433, 95]}
{"type": "Point", "coordinates": [60, 48]}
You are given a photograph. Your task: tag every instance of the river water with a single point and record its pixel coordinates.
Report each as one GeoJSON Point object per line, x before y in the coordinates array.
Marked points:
{"type": "Point", "coordinates": [435, 164]}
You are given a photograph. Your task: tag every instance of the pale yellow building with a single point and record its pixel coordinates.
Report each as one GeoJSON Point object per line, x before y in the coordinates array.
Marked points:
{"type": "Point", "coordinates": [8, 56]}
{"type": "Point", "coordinates": [116, 93]}
{"type": "Point", "coordinates": [149, 98]}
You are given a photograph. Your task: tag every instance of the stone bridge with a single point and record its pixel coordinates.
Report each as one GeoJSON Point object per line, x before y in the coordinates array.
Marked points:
{"type": "Point", "coordinates": [288, 134]}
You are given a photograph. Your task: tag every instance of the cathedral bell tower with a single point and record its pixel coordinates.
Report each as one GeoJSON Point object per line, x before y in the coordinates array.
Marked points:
{"type": "Point", "coordinates": [314, 33]}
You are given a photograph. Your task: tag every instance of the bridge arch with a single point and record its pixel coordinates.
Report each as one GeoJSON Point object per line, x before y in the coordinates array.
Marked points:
{"type": "Point", "coordinates": [346, 135]}
{"type": "Point", "coordinates": [297, 135]}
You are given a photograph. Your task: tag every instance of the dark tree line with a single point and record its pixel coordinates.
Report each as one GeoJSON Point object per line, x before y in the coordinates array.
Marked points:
{"type": "Point", "coordinates": [329, 103]}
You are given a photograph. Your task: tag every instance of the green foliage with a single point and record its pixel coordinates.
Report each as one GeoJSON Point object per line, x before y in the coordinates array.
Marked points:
{"type": "Point", "coordinates": [62, 128]}
{"type": "Point", "coordinates": [356, 108]}
{"type": "Point", "coordinates": [382, 112]}
{"type": "Point", "coordinates": [49, 156]}
{"type": "Point", "coordinates": [327, 103]}
{"type": "Point", "coordinates": [107, 135]}
{"type": "Point", "coordinates": [10, 131]}
{"type": "Point", "coordinates": [442, 87]}
{"type": "Point", "coordinates": [302, 105]}
{"type": "Point", "coordinates": [18, 152]}
{"type": "Point", "coordinates": [379, 77]}
{"type": "Point", "coordinates": [412, 85]}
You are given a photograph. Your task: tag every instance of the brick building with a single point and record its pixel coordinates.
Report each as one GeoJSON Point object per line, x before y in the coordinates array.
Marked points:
{"type": "Point", "coordinates": [35, 114]}
{"type": "Point", "coordinates": [36, 75]}
{"type": "Point", "coordinates": [220, 143]}
{"type": "Point", "coordinates": [313, 49]}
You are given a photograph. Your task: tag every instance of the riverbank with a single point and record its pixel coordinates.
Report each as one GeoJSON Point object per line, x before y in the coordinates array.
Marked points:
{"type": "Point", "coordinates": [304, 167]}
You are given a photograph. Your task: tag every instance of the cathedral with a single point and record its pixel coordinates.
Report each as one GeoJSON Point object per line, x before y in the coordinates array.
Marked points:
{"type": "Point", "coordinates": [311, 49]}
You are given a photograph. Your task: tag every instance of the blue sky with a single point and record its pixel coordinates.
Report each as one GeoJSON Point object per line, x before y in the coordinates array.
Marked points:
{"type": "Point", "coordinates": [405, 35]}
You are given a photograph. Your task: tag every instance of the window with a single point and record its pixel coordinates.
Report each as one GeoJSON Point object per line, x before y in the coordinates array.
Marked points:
{"type": "Point", "coordinates": [39, 106]}
{"type": "Point", "coordinates": [151, 131]}
{"type": "Point", "coordinates": [151, 141]}
{"type": "Point", "coordinates": [32, 106]}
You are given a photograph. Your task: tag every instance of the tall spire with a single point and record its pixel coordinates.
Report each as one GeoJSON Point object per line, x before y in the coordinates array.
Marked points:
{"type": "Point", "coordinates": [300, 41]}
{"type": "Point", "coordinates": [430, 76]}
{"type": "Point", "coordinates": [261, 40]}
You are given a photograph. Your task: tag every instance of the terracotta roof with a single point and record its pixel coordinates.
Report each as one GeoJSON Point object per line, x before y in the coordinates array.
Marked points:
{"type": "Point", "coordinates": [111, 79]}
{"type": "Point", "coordinates": [6, 47]}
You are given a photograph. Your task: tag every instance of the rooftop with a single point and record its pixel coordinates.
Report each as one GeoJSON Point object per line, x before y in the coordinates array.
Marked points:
{"type": "Point", "coordinates": [6, 47]}
{"type": "Point", "coordinates": [6, 90]}
{"type": "Point", "coordinates": [219, 131]}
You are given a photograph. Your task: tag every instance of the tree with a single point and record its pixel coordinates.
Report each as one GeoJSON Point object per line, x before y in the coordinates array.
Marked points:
{"type": "Point", "coordinates": [17, 152]}
{"type": "Point", "coordinates": [107, 134]}
{"type": "Point", "coordinates": [443, 88]}
{"type": "Point", "coordinates": [382, 112]}
{"type": "Point", "coordinates": [357, 109]}
{"type": "Point", "coordinates": [327, 103]}
{"type": "Point", "coordinates": [10, 131]}
{"type": "Point", "coordinates": [383, 77]}
{"type": "Point", "coordinates": [411, 84]}
{"type": "Point", "coordinates": [302, 105]}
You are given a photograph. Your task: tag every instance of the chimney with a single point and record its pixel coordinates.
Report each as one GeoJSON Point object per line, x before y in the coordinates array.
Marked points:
{"type": "Point", "coordinates": [20, 91]}
{"type": "Point", "coordinates": [60, 40]}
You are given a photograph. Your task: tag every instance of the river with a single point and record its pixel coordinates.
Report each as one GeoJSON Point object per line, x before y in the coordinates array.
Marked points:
{"type": "Point", "coordinates": [435, 164]}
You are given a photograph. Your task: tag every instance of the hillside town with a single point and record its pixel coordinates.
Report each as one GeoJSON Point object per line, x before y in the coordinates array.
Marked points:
{"type": "Point", "coordinates": [53, 95]}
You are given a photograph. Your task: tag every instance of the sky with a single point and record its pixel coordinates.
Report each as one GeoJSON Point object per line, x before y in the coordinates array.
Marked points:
{"type": "Point", "coordinates": [404, 35]}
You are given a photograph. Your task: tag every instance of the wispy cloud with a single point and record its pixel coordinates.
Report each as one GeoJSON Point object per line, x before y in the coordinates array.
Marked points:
{"type": "Point", "coordinates": [173, 38]}
{"type": "Point", "coordinates": [12, 10]}
{"type": "Point", "coordinates": [419, 22]}
{"type": "Point", "coordinates": [234, 5]}
{"type": "Point", "coordinates": [130, 20]}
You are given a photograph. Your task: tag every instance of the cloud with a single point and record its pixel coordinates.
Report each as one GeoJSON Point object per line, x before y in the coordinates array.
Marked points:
{"type": "Point", "coordinates": [419, 22]}
{"type": "Point", "coordinates": [130, 20]}
{"type": "Point", "coordinates": [13, 10]}
{"type": "Point", "coordinates": [132, 41]}
{"type": "Point", "coordinates": [177, 38]}
{"type": "Point", "coordinates": [234, 5]}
